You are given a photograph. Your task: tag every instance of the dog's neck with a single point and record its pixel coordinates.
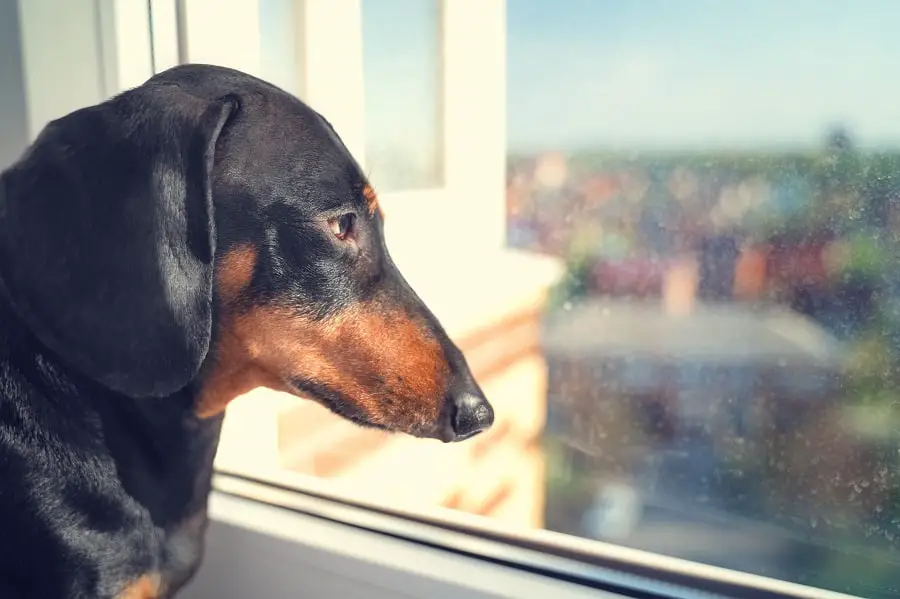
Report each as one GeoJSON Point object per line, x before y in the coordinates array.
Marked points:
{"type": "Point", "coordinates": [162, 451]}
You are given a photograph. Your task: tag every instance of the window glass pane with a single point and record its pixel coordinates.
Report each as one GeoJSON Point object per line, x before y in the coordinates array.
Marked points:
{"type": "Point", "coordinates": [277, 27]}
{"type": "Point", "coordinates": [722, 181]}
{"type": "Point", "coordinates": [402, 72]}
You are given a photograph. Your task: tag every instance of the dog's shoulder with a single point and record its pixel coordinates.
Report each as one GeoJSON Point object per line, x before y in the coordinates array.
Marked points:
{"type": "Point", "coordinates": [69, 527]}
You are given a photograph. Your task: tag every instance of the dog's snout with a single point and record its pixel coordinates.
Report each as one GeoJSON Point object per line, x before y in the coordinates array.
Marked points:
{"type": "Point", "coordinates": [470, 415]}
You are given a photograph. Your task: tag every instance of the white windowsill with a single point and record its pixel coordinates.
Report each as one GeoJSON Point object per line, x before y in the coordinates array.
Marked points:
{"type": "Point", "coordinates": [654, 574]}
{"type": "Point", "coordinates": [255, 550]}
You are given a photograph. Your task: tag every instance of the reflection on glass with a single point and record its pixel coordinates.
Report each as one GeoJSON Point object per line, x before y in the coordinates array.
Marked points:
{"type": "Point", "coordinates": [723, 184]}
{"type": "Point", "coordinates": [401, 69]}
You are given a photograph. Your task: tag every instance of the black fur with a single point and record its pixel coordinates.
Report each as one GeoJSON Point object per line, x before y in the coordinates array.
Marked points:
{"type": "Point", "coordinates": [110, 228]}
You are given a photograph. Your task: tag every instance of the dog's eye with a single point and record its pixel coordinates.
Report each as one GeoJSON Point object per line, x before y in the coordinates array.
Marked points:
{"type": "Point", "coordinates": [342, 226]}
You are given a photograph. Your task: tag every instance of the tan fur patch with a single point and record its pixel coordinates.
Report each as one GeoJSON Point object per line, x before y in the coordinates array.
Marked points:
{"type": "Point", "coordinates": [148, 586]}
{"type": "Point", "coordinates": [391, 369]}
{"type": "Point", "coordinates": [235, 269]}
{"type": "Point", "coordinates": [371, 199]}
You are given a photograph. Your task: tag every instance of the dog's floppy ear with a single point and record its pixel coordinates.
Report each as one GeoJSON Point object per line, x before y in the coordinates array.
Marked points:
{"type": "Point", "coordinates": [107, 237]}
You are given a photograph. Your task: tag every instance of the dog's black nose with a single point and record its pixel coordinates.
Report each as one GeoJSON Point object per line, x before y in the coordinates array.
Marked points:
{"type": "Point", "coordinates": [471, 415]}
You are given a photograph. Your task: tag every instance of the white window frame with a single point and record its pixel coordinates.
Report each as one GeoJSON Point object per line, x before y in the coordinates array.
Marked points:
{"type": "Point", "coordinates": [468, 208]}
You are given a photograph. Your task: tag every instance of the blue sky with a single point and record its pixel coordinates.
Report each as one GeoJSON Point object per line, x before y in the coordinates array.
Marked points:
{"type": "Point", "coordinates": [701, 73]}
{"type": "Point", "coordinates": [654, 74]}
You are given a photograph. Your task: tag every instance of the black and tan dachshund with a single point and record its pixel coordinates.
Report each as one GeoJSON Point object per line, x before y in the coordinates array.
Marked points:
{"type": "Point", "coordinates": [160, 254]}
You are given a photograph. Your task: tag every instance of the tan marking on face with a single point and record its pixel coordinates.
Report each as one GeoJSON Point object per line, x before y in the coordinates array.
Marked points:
{"type": "Point", "coordinates": [371, 199]}
{"type": "Point", "coordinates": [383, 361]}
{"type": "Point", "coordinates": [234, 271]}
{"type": "Point", "coordinates": [392, 371]}
{"type": "Point", "coordinates": [148, 586]}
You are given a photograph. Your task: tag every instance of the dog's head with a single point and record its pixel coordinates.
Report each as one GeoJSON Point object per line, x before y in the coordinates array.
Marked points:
{"type": "Point", "coordinates": [207, 230]}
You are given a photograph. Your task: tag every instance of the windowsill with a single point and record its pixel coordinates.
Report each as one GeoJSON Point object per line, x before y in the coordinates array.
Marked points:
{"type": "Point", "coordinates": [256, 549]}
{"type": "Point", "coordinates": [257, 507]}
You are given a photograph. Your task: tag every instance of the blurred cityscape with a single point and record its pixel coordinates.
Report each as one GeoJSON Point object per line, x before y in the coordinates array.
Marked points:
{"type": "Point", "coordinates": [724, 355]}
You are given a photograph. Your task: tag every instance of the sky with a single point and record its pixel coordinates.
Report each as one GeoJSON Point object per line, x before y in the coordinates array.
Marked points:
{"type": "Point", "coordinates": [652, 74]}
{"type": "Point", "coordinates": [677, 74]}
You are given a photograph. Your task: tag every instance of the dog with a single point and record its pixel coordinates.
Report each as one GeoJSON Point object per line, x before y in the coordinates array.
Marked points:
{"type": "Point", "coordinates": [161, 253]}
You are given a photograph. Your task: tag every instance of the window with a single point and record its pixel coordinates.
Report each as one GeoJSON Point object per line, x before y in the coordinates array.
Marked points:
{"type": "Point", "coordinates": [664, 235]}
{"type": "Point", "coordinates": [402, 73]}
{"type": "Point", "coordinates": [723, 183]}
{"type": "Point", "coordinates": [712, 377]}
